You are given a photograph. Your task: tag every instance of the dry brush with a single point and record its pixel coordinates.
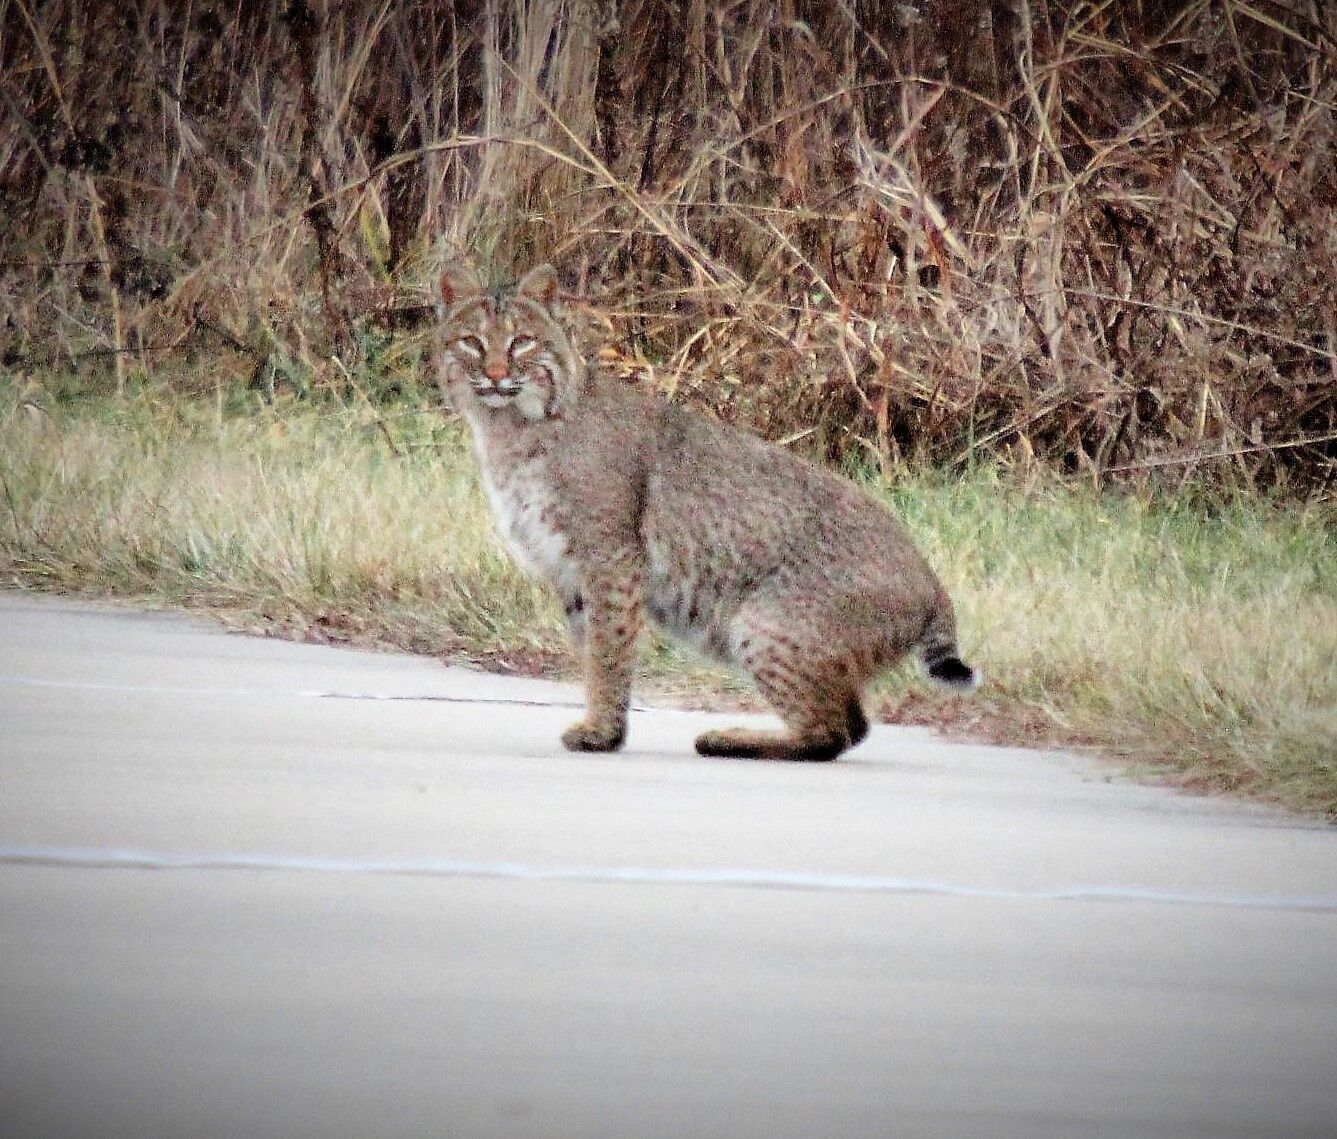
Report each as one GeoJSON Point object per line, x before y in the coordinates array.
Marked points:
{"type": "Point", "coordinates": [1099, 237]}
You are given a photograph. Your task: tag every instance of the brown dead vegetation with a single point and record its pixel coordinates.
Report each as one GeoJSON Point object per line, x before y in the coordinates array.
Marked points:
{"type": "Point", "coordinates": [1097, 236]}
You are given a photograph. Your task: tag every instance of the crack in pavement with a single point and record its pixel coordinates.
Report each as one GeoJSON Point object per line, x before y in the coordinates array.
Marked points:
{"type": "Point", "coordinates": [176, 690]}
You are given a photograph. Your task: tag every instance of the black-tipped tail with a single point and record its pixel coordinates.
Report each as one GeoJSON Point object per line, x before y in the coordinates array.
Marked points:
{"type": "Point", "coordinates": [938, 651]}
{"type": "Point", "coordinates": [954, 672]}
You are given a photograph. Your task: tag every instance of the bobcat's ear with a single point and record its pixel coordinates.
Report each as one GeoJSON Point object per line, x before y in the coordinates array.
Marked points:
{"type": "Point", "coordinates": [458, 281]}
{"type": "Point", "coordinates": [540, 283]}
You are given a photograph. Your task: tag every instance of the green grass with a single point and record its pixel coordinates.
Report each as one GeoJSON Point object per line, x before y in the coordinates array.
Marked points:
{"type": "Point", "coordinates": [1199, 636]}
{"type": "Point", "coordinates": [1194, 637]}
{"type": "Point", "coordinates": [301, 519]}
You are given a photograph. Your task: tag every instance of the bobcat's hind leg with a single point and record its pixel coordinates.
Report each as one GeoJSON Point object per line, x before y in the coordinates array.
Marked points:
{"type": "Point", "coordinates": [820, 707]}
{"type": "Point", "coordinates": [813, 740]}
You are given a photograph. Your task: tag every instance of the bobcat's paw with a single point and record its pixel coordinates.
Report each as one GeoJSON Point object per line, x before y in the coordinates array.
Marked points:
{"type": "Point", "coordinates": [740, 743]}
{"type": "Point", "coordinates": [587, 736]}
{"type": "Point", "coordinates": [717, 743]}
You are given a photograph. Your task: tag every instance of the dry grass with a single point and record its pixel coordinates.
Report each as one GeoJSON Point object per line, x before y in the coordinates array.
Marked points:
{"type": "Point", "coordinates": [1098, 237]}
{"type": "Point", "coordinates": [1196, 637]}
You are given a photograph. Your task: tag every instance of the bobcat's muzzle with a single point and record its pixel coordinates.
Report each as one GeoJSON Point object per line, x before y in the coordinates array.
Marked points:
{"type": "Point", "coordinates": [497, 387]}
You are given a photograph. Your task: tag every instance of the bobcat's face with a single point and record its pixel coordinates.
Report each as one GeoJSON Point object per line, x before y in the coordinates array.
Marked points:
{"type": "Point", "coordinates": [504, 346]}
{"type": "Point", "coordinates": [506, 366]}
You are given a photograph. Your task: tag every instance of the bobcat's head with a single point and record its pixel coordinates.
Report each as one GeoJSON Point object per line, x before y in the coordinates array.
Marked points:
{"type": "Point", "coordinates": [505, 346]}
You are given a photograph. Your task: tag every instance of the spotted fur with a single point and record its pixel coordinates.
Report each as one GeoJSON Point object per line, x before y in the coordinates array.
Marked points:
{"type": "Point", "coordinates": [627, 504]}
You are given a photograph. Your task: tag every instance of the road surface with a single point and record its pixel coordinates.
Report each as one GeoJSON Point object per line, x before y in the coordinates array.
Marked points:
{"type": "Point", "coordinates": [250, 888]}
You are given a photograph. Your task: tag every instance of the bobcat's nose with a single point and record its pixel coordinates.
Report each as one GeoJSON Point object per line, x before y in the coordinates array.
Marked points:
{"type": "Point", "coordinates": [496, 369]}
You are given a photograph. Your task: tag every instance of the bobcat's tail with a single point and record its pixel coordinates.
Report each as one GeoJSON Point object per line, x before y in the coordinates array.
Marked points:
{"type": "Point", "coordinates": [939, 653]}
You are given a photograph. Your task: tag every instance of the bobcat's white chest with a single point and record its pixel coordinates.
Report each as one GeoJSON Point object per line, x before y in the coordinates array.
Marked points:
{"type": "Point", "coordinates": [525, 512]}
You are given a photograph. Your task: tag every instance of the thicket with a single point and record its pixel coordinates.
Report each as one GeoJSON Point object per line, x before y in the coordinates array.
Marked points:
{"type": "Point", "coordinates": [1098, 236]}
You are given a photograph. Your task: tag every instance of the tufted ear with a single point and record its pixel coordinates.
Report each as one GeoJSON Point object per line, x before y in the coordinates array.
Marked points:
{"type": "Point", "coordinates": [458, 280]}
{"type": "Point", "coordinates": [540, 283]}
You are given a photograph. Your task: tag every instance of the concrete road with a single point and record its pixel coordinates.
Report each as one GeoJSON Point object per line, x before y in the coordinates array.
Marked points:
{"type": "Point", "coordinates": [250, 888]}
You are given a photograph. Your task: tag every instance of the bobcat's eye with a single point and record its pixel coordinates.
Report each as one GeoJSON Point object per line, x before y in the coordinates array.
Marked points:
{"type": "Point", "coordinates": [522, 344]}
{"type": "Point", "coordinates": [472, 345]}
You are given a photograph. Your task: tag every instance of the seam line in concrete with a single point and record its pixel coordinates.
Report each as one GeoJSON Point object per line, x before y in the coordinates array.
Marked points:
{"type": "Point", "coordinates": [742, 878]}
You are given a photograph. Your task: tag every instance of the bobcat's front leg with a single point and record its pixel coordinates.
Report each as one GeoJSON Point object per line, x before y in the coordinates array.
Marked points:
{"type": "Point", "coordinates": [611, 612]}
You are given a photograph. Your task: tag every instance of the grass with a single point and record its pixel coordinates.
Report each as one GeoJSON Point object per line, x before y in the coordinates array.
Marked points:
{"type": "Point", "coordinates": [304, 521]}
{"type": "Point", "coordinates": [1198, 637]}
{"type": "Point", "coordinates": [1194, 638]}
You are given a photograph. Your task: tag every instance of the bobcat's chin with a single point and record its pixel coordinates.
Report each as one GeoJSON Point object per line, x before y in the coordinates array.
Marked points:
{"type": "Point", "coordinates": [532, 397]}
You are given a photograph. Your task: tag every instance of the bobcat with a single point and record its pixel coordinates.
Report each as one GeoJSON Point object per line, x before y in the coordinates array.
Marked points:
{"type": "Point", "coordinates": [624, 501]}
